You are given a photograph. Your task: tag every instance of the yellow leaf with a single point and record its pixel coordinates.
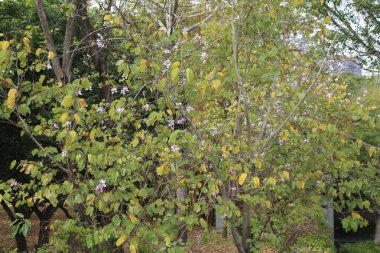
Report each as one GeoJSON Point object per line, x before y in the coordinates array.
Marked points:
{"type": "Point", "coordinates": [29, 200]}
{"type": "Point", "coordinates": [174, 75]}
{"type": "Point", "coordinates": [92, 134]}
{"type": "Point", "coordinates": [77, 118]}
{"type": "Point", "coordinates": [256, 182]}
{"type": "Point", "coordinates": [170, 112]}
{"type": "Point", "coordinates": [51, 55]}
{"type": "Point", "coordinates": [38, 51]}
{"type": "Point", "coordinates": [67, 101]}
{"type": "Point", "coordinates": [121, 240]}
{"type": "Point", "coordinates": [267, 203]}
{"type": "Point", "coordinates": [30, 167]}
{"type": "Point", "coordinates": [285, 174]}
{"type": "Point", "coordinates": [356, 216]}
{"type": "Point", "coordinates": [25, 40]}
{"type": "Point", "coordinates": [167, 241]}
{"type": "Point", "coordinates": [12, 93]}
{"type": "Point", "coordinates": [176, 64]}
{"type": "Point", "coordinates": [272, 181]}
{"type": "Point", "coordinates": [83, 102]}
{"type": "Point", "coordinates": [133, 218]}
{"type": "Point", "coordinates": [189, 75]}
{"type": "Point", "coordinates": [107, 17]}
{"type": "Point", "coordinates": [4, 44]}
{"type": "Point", "coordinates": [242, 178]}
{"type": "Point", "coordinates": [220, 74]}
{"type": "Point", "coordinates": [64, 117]}
{"type": "Point", "coordinates": [302, 184]}
{"type": "Point", "coordinates": [162, 170]}
{"type": "Point", "coordinates": [132, 248]}
{"type": "Point", "coordinates": [327, 20]}
{"type": "Point", "coordinates": [73, 135]}
{"type": "Point", "coordinates": [284, 137]}
{"type": "Point", "coordinates": [298, 2]}
{"type": "Point", "coordinates": [215, 84]}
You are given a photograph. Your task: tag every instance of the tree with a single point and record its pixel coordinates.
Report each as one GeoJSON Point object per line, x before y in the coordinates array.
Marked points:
{"type": "Point", "coordinates": [238, 114]}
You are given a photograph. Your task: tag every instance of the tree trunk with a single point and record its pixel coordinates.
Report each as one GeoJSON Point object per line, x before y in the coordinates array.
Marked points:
{"type": "Point", "coordinates": [246, 227]}
{"type": "Point", "coordinates": [21, 244]}
{"type": "Point", "coordinates": [98, 57]}
{"type": "Point", "coordinates": [377, 231]}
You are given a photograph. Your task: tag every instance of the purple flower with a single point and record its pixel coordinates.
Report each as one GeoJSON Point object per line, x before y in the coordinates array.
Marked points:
{"type": "Point", "coordinates": [55, 125]}
{"type": "Point", "coordinates": [113, 90]}
{"type": "Point", "coordinates": [14, 183]}
{"type": "Point", "coordinates": [146, 106]}
{"type": "Point", "coordinates": [204, 57]}
{"type": "Point", "coordinates": [167, 51]}
{"type": "Point", "coordinates": [174, 148]}
{"type": "Point", "coordinates": [100, 109]}
{"type": "Point", "coordinates": [124, 90]}
{"type": "Point", "coordinates": [189, 108]}
{"type": "Point", "coordinates": [78, 93]}
{"type": "Point", "coordinates": [64, 153]}
{"type": "Point", "coordinates": [328, 95]}
{"type": "Point", "coordinates": [167, 64]}
{"type": "Point", "coordinates": [120, 110]}
{"type": "Point", "coordinates": [181, 121]}
{"type": "Point", "coordinates": [101, 185]}
{"type": "Point", "coordinates": [48, 66]}
{"type": "Point", "coordinates": [233, 189]}
{"type": "Point", "coordinates": [25, 165]}
{"type": "Point", "coordinates": [171, 124]}
{"type": "Point", "coordinates": [178, 105]}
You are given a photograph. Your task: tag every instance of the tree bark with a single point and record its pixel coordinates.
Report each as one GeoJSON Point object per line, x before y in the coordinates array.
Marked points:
{"type": "Point", "coordinates": [49, 40]}
{"type": "Point", "coordinates": [45, 217]}
{"type": "Point", "coordinates": [21, 243]}
{"type": "Point", "coordinates": [377, 231]}
{"type": "Point", "coordinates": [98, 57]}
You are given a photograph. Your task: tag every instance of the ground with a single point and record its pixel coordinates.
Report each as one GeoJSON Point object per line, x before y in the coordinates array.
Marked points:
{"type": "Point", "coordinates": [199, 241]}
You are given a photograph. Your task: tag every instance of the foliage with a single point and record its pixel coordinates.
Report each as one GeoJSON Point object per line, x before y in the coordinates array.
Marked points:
{"type": "Point", "coordinates": [256, 128]}
{"type": "Point", "coordinates": [360, 247]}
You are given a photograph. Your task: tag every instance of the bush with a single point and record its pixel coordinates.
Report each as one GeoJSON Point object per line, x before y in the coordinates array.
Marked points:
{"type": "Point", "coordinates": [360, 247]}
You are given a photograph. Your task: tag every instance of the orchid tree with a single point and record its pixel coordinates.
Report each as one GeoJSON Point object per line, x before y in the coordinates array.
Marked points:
{"type": "Point", "coordinates": [233, 110]}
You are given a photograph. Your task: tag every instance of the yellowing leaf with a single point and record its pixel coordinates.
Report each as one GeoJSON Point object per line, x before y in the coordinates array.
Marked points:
{"type": "Point", "coordinates": [107, 17]}
{"type": "Point", "coordinates": [356, 215]}
{"type": "Point", "coordinates": [25, 40]}
{"type": "Point", "coordinates": [51, 55]}
{"type": "Point", "coordinates": [170, 112]}
{"type": "Point", "coordinates": [4, 44]}
{"type": "Point", "coordinates": [267, 203]}
{"type": "Point", "coordinates": [327, 20]}
{"type": "Point", "coordinates": [167, 241]}
{"type": "Point", "coordinates": [133, 218]}
{"type": "Point", "coordinates": [285, 174]}
{"type": "Point", "coordinates": [189, 75]}
{"type": "Point", "coordinates": [272, 181]}
{"type": "Point", "coordinates": [176, 64]}
{"type": "Point", "coordinates": [298, 2]}
{"type": "Point", "coordinates": [73, 135]}
{"type": "Point", "coordinates": [67, 101]}
{"type": "Point", "coordinates": [12, 93]}
{"type": "Point", "coordinates": [121, 240]}
{"type": "Point", "coordinates": [77, 118]}
{"type": "Point", "coordinates": [174, 75]}
{"type": "Point", "coordinates": [242, 178]}
{"type": "Point", "coordinates": [284, 137]}
{"type": "Point", "coordinates": [64, 117]}
{"type": "Point", "coordinates": [92, 134]}
{"type": "Point", "coordinates": [256, 182]}
{"type": "Point", "coordinates": [38, 51]}
{"type": "Point", "coordinates": [83, 102]}
{"type": "Point", "coordinates": [162, 170]}
{"type": "Point", "coordinates": [132, 248]}
{"type": "Point", "coordinates": [215, 84]}
{"type": "Point", "coordinates": [29, 200]}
